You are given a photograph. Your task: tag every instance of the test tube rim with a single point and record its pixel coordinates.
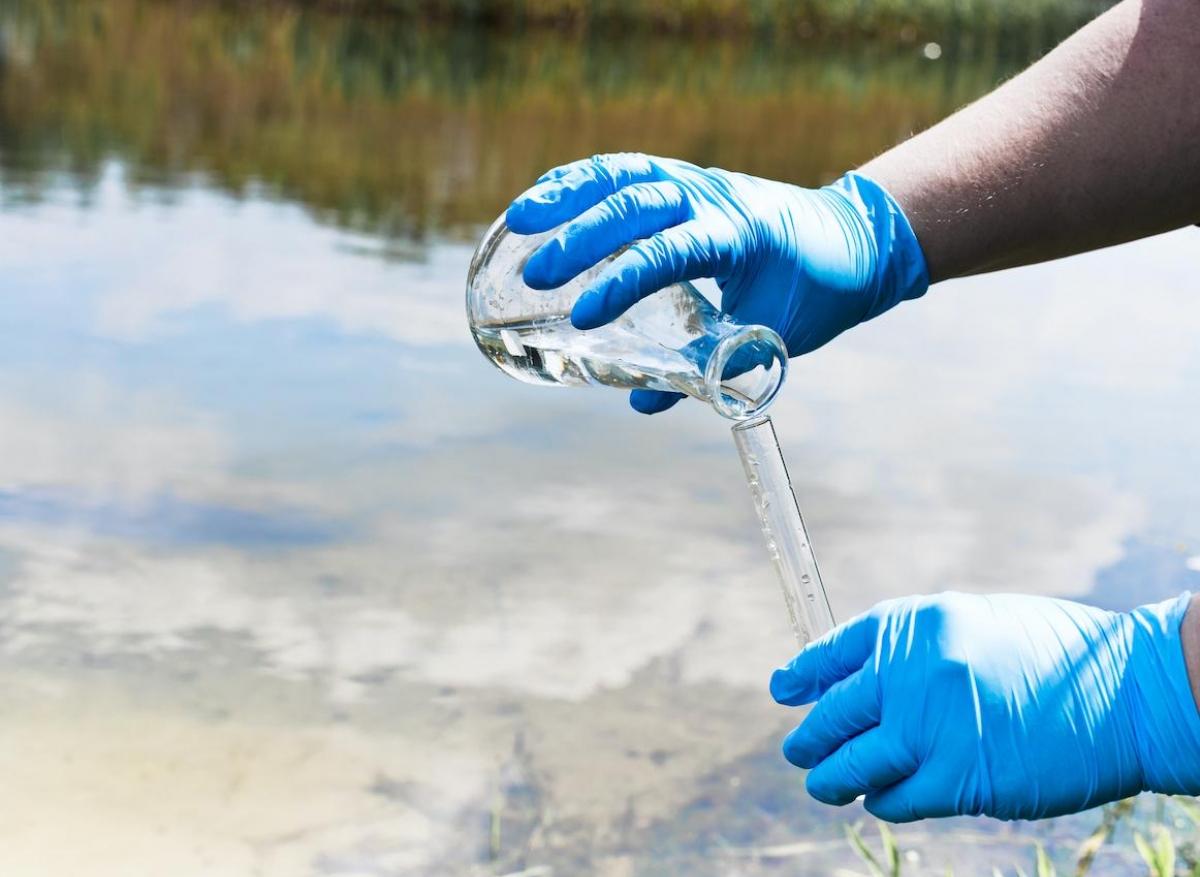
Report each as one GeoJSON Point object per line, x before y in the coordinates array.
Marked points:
{"type": "Point", "coordinates": [751, 422]}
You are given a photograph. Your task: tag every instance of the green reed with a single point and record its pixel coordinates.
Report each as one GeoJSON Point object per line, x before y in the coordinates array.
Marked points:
{"type": "Point", "coordinates": [1164, 843]}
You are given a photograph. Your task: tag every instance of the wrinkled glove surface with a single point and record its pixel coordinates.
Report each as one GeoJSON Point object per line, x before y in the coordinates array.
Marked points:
{"type": "Point", "coordinates": [809, 263]}
{"type": "Point", "coordinates": [1011, 706]}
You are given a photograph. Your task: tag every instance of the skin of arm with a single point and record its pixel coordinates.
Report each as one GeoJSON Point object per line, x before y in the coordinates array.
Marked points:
{"type": "Point", "coordinates": [1189, 633]}
{"type": "Point", "coordinates": [1096, 144]}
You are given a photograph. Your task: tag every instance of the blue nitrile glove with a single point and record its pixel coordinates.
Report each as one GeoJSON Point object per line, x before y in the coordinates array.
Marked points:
{"type": "Point", "coordinates": [809, 263]}
{"type": "Point", "coordinates": [1010, 706]}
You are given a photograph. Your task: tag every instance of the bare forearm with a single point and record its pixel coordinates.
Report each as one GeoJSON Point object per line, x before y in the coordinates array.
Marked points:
{"type": "Point", "coordinates": [1190, 635]}
{"type": "Point", "coordinates": [1096, 144]}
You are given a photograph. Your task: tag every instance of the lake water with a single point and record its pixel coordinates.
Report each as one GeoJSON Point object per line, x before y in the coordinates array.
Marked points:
{"type": "Point", "coordinates": [293, 581]}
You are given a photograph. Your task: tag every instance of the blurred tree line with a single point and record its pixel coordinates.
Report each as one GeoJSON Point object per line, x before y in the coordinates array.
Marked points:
{"type": "Point", "coordinates": [787, 19]}
{"type": "Point", "coordinates": [382, 123]}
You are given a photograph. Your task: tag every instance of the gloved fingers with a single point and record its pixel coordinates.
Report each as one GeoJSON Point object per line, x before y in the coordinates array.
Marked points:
{"type": "Point", "coordinates": [634, 212]}
{"type": "Point", "coordinates": [756, 354]}
{"type": "Point", "coordinates": [582, 185]}
{"type": "Point", "coordinates": [652, 401]}
{"type": "Point", "coordinates": [868, 763]}
{"type": "Point", "coordinates": [747, 357]}
{"type": "Point", "coordinates": [616, 157]}
{"type": "Point", "coordinates": [825, 661]}
{"type": "Point", "coordinates": [563, 169]}
{"type": "Point", "coordinates": [846, 710]}
{"type": "Point", "coordinates": [921, 796]}
{"type": "Point", "coordinates": [557, 173]}
{"type": "Point", "coordinates": [684, 252]}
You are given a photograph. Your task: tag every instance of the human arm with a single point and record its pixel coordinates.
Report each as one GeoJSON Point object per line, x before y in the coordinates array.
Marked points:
{"type": "Point", "coordinates": [1096, 144]}
{"type": "Point", "coordinates": [1189, 635]}
{"type": "Point", "coordinates": [1010, 706]}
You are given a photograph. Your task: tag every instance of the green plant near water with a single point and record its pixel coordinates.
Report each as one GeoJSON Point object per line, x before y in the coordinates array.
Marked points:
{"type": "Point", "coordinates": [891, 860]}
{"type": "Point", "coordinates": [1159, 854]}
{"type": "Point", "coordinates": [1164, 852]}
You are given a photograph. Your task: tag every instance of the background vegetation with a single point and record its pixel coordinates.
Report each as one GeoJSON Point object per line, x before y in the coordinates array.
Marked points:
{"type": "Point", "coordinates": [777, 19]}
{"type": "Point", "coordinates": [383, 123]}
{"type": "Point", "coordinates": [1159, 838]}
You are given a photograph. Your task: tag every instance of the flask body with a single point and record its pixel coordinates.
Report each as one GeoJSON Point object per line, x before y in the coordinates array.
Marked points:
{"type": "Point", "coordinates": [674, 340]}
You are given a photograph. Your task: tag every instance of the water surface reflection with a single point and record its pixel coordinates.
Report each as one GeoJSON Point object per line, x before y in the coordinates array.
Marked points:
{"type": "Point", "coordinates": [293, 581]}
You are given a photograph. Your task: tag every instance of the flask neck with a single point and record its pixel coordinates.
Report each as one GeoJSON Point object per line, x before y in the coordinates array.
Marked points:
{"type": "Point", "coordinates": [744, 373]}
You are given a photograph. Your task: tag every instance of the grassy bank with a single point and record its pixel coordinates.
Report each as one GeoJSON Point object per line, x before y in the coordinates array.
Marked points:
{"type": "Point", "coordinates": [782, 19]}
{"type": "Point", "coordinates": [375, 124]}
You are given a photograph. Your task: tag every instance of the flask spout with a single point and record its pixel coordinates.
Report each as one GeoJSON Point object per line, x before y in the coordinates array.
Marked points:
{"type": "Point", "coordinates": [745, 372]}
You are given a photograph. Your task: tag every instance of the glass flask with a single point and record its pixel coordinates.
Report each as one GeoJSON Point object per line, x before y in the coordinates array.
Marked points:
{"type": "Point", "coordinates": [673, 340]}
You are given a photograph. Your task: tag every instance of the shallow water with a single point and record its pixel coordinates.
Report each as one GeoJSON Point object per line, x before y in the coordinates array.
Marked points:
{"type": "Point", "coordinates": [292, 581]}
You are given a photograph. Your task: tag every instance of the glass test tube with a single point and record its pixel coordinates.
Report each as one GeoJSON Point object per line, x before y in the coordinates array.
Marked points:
{"type": "Point", "coordinates": [787, 540]}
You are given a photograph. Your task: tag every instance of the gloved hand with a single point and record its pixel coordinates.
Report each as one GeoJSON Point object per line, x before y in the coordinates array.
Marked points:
{"type": "Point", "coordinates": [809, 263]}
{"type": "Point", "coordinates": [1010, 706]}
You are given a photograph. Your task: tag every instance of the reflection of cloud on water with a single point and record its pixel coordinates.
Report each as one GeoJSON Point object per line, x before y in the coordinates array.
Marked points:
{"type": "Point", "coordinates": [70, 590]}
{"type": "Point", "coordinates": [140, 465]}
{"type": "Point", "coordinates": [169, 520]}
{"type": "Point", "coordinates": [561, 592]}
{"type": "Point", "coordinates": [576, 544]}
{"type": "Point", "coordinates": [141, 787]}
{"type": "Point", "coordinates": [258, 260]}
{"type": "Point", "coordinates": [87, 436]}
{"type": "Point", "coordinates": [437, 565]}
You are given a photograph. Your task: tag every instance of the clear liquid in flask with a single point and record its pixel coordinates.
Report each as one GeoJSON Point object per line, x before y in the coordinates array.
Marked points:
{"type": "Point", "coordinates": [673, 340]}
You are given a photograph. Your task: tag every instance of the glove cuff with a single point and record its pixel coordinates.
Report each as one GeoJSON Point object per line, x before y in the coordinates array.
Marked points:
{"type": "Point", "coordinates": [1167, 723]}
{"type": "Point", "coordinates": [901, 272]}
